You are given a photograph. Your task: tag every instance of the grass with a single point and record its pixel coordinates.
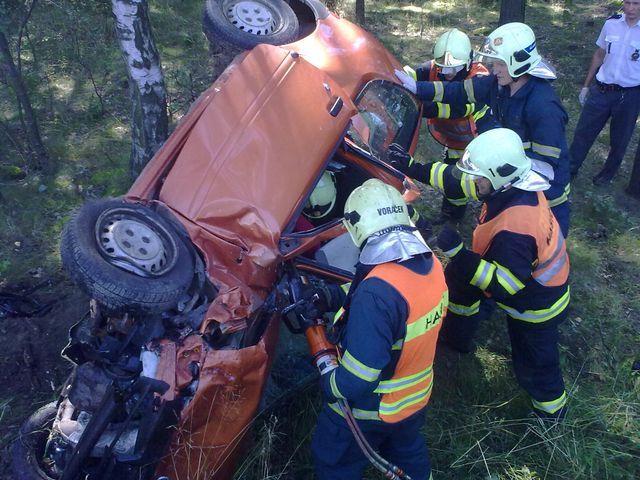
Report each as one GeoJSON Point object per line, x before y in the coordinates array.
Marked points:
{"type": "Point", "coordinates": [477, 426]}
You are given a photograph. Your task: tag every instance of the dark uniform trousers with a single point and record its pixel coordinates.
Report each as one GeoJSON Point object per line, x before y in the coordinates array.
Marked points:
{"type": "Point", "coordinates": [338, 457]}
{"type": "Point", "coordinates": [622, 106]}
{"type": "Point", "coordinates": [534, 346]}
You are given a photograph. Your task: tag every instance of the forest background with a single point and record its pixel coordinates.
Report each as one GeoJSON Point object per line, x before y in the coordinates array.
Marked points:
{"type": "Point", "coordinates": [72, 68]}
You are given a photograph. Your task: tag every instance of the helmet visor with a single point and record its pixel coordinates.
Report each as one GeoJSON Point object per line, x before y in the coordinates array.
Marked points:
{"type": "Point", "coordinates": [488, 53]}
{"type": "Point", "coordinates": [467, 166]}
{"type": "Point", "coordinates": [448, 60]}
{"type": "Point", "coordinates": [451, 70]}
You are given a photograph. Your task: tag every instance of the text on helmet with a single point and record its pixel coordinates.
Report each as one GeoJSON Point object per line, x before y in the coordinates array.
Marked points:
{"type": "Point", "coordinates": [390, 210]}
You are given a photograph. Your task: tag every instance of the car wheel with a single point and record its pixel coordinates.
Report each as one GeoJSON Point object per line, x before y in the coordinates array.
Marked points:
{"type": "Point", "coordinates": [126, 257]}
{"type": "Point", "coordinates": [247, 23]}
{"type": "Point", "coordinates": [31, 442]}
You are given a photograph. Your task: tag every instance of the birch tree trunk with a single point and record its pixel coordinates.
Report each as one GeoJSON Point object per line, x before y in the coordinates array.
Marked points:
{"type": "Point", "coordinates": [12, 74]}
{"type": "Point", "coordinates": [149, 122]}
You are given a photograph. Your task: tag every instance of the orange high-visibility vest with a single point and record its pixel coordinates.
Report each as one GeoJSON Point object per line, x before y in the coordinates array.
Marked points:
{"type": "Point", "coordinates": [409, 389]}
{"type": "Point", "coordinates": [551, 268]}
{"type": "Point", "coordinates": [454, 133]}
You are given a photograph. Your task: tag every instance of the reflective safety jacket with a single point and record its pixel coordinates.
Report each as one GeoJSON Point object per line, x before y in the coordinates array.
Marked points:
{"type": "Point", "coordinates": [551, 268]}
{"type": "Point", "coordinates": [393, 320]}
{"type": "Point", "coordinates": [452, 129]}
{"type": "Point", "coordinates": [457, 188]}
{"type": "Point", "coordinates": [519, 258]}
{"type": "Point", "coordinates": [534, 112]}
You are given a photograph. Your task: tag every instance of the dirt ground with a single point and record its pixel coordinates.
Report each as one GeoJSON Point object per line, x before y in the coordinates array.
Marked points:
{"type": "Point", "coordinates": [31, 368]}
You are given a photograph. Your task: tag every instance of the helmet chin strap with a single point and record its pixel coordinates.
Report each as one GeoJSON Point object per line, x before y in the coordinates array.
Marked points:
{"type": "Point", "coordinates": [504, 187]}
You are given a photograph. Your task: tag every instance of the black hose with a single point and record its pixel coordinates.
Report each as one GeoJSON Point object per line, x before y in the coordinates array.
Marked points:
{"type": "Point", "coordinates": [390, 471]}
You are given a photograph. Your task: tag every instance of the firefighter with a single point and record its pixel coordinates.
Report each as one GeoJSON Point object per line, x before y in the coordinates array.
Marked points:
{"type": "Point", "coordinates": [453, 126]}
{"type": "Point", "coordinates": [521, 98]}
{"type": "Point", "coordinates": [392, 316]}
{"type": "Point", "coordinates": [322, 200]}
{"type": "Point", "coordinates": [518, 259]}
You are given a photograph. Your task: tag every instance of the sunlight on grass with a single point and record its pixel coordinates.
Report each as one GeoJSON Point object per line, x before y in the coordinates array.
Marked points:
{"type": "Point", "coordinates": [627, 247]}
{"type": "Point", "coordinates": [64, 86]}
{"type": "Point", "coordinates": [494, 365]}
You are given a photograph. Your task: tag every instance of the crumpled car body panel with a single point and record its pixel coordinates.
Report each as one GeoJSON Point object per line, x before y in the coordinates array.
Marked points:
{"type": "Point", "coordinates": [235, 172]}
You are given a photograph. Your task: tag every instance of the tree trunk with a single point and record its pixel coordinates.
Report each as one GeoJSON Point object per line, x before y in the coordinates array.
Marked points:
{"type": "Point", "coordinates": [24, 104]}
{"type": "Point", "coordinates": [360, 12]}
{"type": "Point", "coordinates": [634, 182]}
{"type": "Point", "coordinates": [511, 11]}
{"type": "Point", "coordinates": [149, 123]}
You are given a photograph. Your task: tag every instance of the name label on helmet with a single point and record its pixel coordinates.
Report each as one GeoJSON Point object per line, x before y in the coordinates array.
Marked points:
{"type": "Point", "coordinates": [390, 210]}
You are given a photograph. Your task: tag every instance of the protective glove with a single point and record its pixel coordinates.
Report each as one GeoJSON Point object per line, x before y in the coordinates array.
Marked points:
{"type": "Point", "coordinates": [410, 71]}
{"type": "Point", "coordinates": [450, 242]}
{"type": "Point", "coordinates": [399, 158]}
{"type": "Point", "coordinates": [424, 227]}
{"type": "Point", "coordinates": [582, 97]}
{"type": "Point", "coordinates": [314, 303]}
{"type": "Point", "coordinates": [318, 300]}
{"type": "Point", "coordinates": [406, 80]}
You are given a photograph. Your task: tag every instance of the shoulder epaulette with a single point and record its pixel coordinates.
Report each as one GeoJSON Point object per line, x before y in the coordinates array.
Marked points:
{"type": "Point", "coordinates": [615, 16]}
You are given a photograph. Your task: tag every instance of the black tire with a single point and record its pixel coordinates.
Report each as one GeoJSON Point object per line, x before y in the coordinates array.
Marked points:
{"type": "Point", "coordinates": [30, 444]}
{"type": "Point", "coordinates": [269, 21]}
{"type": "Point", "coordinates": [112, 284]}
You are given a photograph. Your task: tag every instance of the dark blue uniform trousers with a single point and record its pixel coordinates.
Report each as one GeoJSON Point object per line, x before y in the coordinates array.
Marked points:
{"type": "Point", "coordinates": [534, 346]}
{"type": "Point", "coordinates": [623, 107]}
{"type": "Point", "coordinates": [562, 213]}
{"type": "Point", "coordinates": [337, 456]}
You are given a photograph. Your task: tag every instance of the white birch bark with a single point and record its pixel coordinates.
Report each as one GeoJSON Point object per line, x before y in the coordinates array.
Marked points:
{"type": "Point", "coordinates": [149, 123]}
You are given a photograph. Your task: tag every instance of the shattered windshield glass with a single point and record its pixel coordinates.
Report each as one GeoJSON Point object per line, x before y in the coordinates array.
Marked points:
{"type": "Point", "coordinates": [388, 114]}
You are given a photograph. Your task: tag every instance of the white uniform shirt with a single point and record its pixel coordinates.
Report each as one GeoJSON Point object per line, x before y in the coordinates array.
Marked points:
{"type": "Point", "coordinates": [620, 42]}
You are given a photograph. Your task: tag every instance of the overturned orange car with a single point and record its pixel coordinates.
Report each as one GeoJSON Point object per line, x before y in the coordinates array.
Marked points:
{"type": "Point", "coordinates": [190, 272]}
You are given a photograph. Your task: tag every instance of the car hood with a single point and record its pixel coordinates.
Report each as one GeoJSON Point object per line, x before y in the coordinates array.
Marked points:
{"type": "Point", "coordinates": [244, 157]}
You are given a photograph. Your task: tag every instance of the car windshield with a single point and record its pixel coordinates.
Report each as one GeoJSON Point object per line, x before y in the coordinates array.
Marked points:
{"type": "Point", "coordinates": [390, 115]}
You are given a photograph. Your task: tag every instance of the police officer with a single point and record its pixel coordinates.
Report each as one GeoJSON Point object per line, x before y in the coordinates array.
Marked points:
{"type": "Point", "coordinates": [453, 126]}
{"type": "Point", "coordinates": [519, 259]}
{"type": "Point", "coordinates": [393, 314]}
{"type": "Point", "coordinates": [615, 95]}
{"type": "Point", "coordinates": [522, 99]}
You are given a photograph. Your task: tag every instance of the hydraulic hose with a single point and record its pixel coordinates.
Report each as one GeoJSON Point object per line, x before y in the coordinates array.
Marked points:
{"type": "Point", "coordinates": [388, 469]}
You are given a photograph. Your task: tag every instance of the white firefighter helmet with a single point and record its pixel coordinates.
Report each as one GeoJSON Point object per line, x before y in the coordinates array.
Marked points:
{"type": "Point", "coordinates": [374, 207]}
{"type": "Point", "coordinates": [499, 156]}
{"type": "Point", "coordinates": [514, 44]}
{"type": "Point", "coordinates": [323, 197]}
{"type": "Point", "coordinates": [453, 49]}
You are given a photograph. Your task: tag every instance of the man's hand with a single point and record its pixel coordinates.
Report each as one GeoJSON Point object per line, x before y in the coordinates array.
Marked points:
{"type": "Point", "coordinates": [582, 97]}
{"type": "Point", "coordinates": [318, 300]}
{"type": "Point", "coordinates": [406, 80]}
{"type": "Point", "coordinates": [450, 242]}
{"type": "Point", "coordinates": [399, 158]}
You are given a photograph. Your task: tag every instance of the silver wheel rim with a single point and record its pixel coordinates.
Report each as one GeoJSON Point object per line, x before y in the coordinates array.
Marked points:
{"type": "Point", "coordinates": [135, 243]}
{"type": "Point", "coordinates": [251, 16]}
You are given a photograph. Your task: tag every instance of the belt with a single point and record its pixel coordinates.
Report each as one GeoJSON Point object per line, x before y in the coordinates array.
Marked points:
{"type": "Point", "coordinates": [612, 87]}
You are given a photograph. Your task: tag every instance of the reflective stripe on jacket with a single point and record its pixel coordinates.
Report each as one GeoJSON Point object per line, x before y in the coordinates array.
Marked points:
{"type": "Point", "coordinates": [455, 133]}
{"type": "Point", "coordinates": [551, 269]}
{"type": "Point", "coordinates": [409, 388]}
